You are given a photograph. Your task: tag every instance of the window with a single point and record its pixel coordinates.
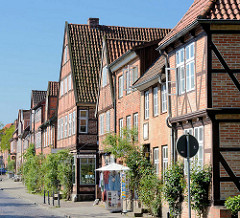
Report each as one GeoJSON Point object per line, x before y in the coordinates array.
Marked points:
{"type": "Point", "coordinates": [73, 122]}
{"type": "Point", "coordinates": [128, 81]}
{"type": "Point", "coordinates": [61, 128]}
{"type": "Point", "coordinates": [120, 86]}
{"type": "Point", "coordinates": [155, 101]}
{"type": "Point", "coordinates": [164, 98]}
{"type": "Point", "coordinates": [131, 77]}
{"type": "Point", "coordinates": [101, 124]}
{"type": "Point", "coordinates": [69, 124]}
{"type": "Point", "coordinates": [61, 88]}
{"type": "Point", "coordinates": [65, 85]}
{"type": "Point", "coordinates": [44, 136]}
{"type": "Point", "coordinates": [65, 54]}
{"type": "Point", "coordinates": [164, 158]}
{"type": "Point", "coordinates": [87, 171]}
{"type": "Point", "coordinates": [48, 141]}
{"type": "Point", "coordinates": [104, 76]}
{"type": "Point", "coordinates": [156, 160]}
{"type": "Point", "coordinates": [146, 105]}
{"type": "Point", "coordinates": [66, 124]}
{"type": "Point", "coordinates": [121, 127]}
{"type": "Point", "coordinates": [190, 67]}
{"type": "Point", "coordinates": [51, 135]}
{"type": "Point", "coordinates": [128, 122]}
{"type": "Point", "coordinates": [108, 121]}
{"type": "Point", "coordinates": [69, 82]}
{"type": "Point", "coordinates": [186, 70]}
{"type": "Point", "coordinates": [134, 74]}
{"type": "Point", "coordinates": [145, 131]}
{"type": "Point", "coordinates": [38, 115]}
{"type": "Point", "coordinates": [198, 158]}
{"type": "Point", "coordinates": [83, 121]}
{"type": "Point", "coordinates": [135, 120]}
{"type": "Point", "coordinates": [58, 130]}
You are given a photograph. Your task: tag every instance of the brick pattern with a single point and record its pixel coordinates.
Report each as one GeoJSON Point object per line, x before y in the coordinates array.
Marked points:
{"type": "Point", "coordinates": [228, 189]}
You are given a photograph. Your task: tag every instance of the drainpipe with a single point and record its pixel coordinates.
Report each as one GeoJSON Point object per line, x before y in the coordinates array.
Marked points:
{"type": "Point", "coordinates": [173, 130]}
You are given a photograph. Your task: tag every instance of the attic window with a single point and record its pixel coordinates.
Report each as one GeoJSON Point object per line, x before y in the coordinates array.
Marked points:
{"type": "Point", "coordinates": [65, 54]}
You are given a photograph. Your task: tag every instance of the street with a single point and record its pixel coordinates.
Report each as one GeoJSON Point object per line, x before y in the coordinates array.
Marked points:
{"type": "Point", "coordinates": [14, 207]}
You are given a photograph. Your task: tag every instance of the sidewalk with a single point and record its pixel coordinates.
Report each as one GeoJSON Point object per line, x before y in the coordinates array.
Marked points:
{"type": "Point", "coordinates": [67, 209]}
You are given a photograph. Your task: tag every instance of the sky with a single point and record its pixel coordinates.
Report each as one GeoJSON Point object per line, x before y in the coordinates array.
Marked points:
{"type": "Point", "coordinates": [31, 38]}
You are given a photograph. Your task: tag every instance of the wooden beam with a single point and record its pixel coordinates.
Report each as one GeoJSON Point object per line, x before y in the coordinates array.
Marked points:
{"type": "Point", "coordinates": [235, 179]}
{"type": "Point", "coordinates": [224, 64]}
{"type": "Point", "coordinates": [229, 149]}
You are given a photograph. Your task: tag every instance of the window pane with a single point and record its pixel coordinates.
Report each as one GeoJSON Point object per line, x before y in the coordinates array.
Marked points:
{"type": "Point", "coordinates": [83, 113]}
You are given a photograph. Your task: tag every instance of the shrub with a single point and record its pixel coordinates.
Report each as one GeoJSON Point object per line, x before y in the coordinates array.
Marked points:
{"type": "Point", "coordinates": [233, 204]}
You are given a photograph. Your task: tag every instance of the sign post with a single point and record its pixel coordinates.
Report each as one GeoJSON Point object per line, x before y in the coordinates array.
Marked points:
{"type": "Point", "coordinates": [187, 147]}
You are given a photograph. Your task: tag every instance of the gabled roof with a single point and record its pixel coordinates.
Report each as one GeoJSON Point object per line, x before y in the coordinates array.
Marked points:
{"type": "Point", "coordinates": [152, 73]}
{"type": "Point", "coordinates": [53, 88]}
{"type": "Point", "coordinates": [85, 45]}
{"type": "Point", "coordinates": [205, 9]}
{"type": "Point", "coordinates": [37, 96]}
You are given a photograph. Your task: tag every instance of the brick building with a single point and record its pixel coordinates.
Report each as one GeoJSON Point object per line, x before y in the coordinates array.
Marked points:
{"type": "Point", "coordinates": [79, 80]}
{"type": "Point", "coordinates": [202, 54]}
{"type": "Point", "coordinates": [49, 125]}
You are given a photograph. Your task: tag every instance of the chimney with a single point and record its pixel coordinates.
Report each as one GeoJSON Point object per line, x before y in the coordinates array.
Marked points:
{"type": "Point", "coordinates": [93, 22]}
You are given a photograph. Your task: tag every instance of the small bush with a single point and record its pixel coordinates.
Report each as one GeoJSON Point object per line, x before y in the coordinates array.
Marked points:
{"type": "Point", "coordinates": [233, 204]}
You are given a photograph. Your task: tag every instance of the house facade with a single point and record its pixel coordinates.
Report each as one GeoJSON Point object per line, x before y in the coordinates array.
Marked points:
{"type": "Point", "coordinates": [153, 132]}
{"type": "Point", "coordinates": [202, 56]}
{"type": "Point", "coordinates": [79, 80]}
{"type": "Point", "coordinates": [49, 125]}
{"type": "Point", "coordinates": [38, 102]}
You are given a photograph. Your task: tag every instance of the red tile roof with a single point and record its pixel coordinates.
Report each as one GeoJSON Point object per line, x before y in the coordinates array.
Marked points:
{"type": "Point", "coordinates": [7, 125]}
{"type": "Point", "coordinates": [206, 9]}
{"type": "Point", "coordinates": [53, 88]}
{"type": "Point", "coordinates": [154, 71]}
{"type": "Point", "coordinates": [85, 44]}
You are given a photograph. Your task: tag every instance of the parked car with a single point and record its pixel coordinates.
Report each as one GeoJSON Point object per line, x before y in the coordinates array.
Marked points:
{"type": "Point", "coordinates": [3, 171]}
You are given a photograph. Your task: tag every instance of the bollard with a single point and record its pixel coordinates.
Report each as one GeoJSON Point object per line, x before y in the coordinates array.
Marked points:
{"type": "Point", "coordinates": [53, 198]}
{"type": "Point", "coordinates": [44, 200]}
{"type": "Point", "coordinates": [48, 198]}
{"type": "Point", "coordinates": [58, 200]}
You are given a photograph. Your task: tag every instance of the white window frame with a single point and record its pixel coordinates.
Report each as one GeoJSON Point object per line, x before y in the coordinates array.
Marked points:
{"type": "Point", "coordinates": [65, 126]}
{"type": "Point", "coordinates": [69, 82]}
{"type": "Point", "coordinates": [190, 67]}
{"type": "Point", "coordinates": [146, 104]}
{"type": "Point", "coordinates": [135, 120]}
{"type": "Point", "coordinates": [101, 121]}
{"type": "Point", "coordinates": [199, 156]}
{"type": "Point", "coordinates": [70, 124]}
{"type": "Point", "coordinates": [128, 122]}
{"type": "Point", "coordinates": [58, 132]}
{"type": "Point", "coordinates": [145, 131]}
{"type": "Point", "coordinates": [128, 80]}
{"type": "Point", "coordinates": [155, 101]}
{"type": "Point", "coordinates": [104, 76]}
{"type": "Point", "coordinates": [61, 88]}
{"type": "Point", "coordinates": [164, 98]}
{"type": "Point", "coordinates": [156, 160]}
{"type": "Point", "coordinates": [65, 54]}
{"type": "Point", "coordinates": [83, 118]}
{"type": "Point", "coordinates": [120, 86]}
{"type": "Point", "coordinates": [108, 121]}
{"type": "Point", "coordinates": [180, 70]}
{"type": "Point", "coordinates": [134, 74]}
{"type": "Point", "coordinates": [65, 85]}
{"type": "Point", "coordinates": [61, 128]}
{"type": "Point", "coordinates": [73, 122]}
{"type": "Point", "coordinates": [164, 158]}
{"type": "Point", "coordinates": [121, 127]}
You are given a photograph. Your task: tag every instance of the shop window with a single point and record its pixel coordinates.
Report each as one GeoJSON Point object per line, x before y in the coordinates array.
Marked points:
{"type": "Point", "coordinates": [87, 171]}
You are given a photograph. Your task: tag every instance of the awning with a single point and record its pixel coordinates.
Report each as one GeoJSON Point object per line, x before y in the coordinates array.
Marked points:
{"type": "Point", "coordinates": [113, 167]}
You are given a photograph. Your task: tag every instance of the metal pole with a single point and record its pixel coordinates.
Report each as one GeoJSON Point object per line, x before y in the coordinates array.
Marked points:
{"type": "Point", "coordinates": [53, 198]}
{"type": "Point", "coordinates": [44, 200]}
{"type": "Point", "coordinates": [48, 199]}
{"type": "Point", "coordinates": [58, 200]}
{"type": "Point", "coordinates": [188, 161]}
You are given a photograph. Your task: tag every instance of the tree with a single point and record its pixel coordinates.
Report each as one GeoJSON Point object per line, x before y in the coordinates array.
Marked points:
{"type": "Point", "coordinates": [5, 138]}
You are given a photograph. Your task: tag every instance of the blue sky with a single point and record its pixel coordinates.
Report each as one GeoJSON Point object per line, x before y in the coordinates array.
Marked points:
{"type": "Point", "coordinates": [31, 37]}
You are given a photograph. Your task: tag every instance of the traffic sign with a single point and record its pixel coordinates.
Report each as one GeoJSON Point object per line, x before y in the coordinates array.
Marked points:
{"type": "Point", "coordinates": [182, 146]}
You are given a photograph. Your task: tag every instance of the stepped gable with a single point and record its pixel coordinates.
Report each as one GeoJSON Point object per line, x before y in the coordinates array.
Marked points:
{"type": "Point", "coordinates": [85, 44]}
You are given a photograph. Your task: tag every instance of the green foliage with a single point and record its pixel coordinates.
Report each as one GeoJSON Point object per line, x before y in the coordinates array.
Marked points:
{"type": "Point", "coordinates": [173, 188]}
{"type": "Point", "coordinates": [233, 204]}
{"type": "Point", "coordinates": [65, 161]}
{"type": "Point", "coordinates": [11, 164]}
{"type": "Point", "coordinates": [5, 138]}
{"type": "Point", "coordinates": [48, 173]}
{"type": "Point", "coordinates": [199, 187]}
{"type": "Point", "coordinates": [142, 177]}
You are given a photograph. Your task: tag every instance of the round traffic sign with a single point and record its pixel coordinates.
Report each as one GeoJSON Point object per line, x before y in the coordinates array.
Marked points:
{"type": "Point", "coordinates": [182, 146]}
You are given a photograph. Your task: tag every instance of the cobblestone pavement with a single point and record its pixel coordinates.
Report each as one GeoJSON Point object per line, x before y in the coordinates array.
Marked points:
{"type": "Point", "coordinates": [16, 202]}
